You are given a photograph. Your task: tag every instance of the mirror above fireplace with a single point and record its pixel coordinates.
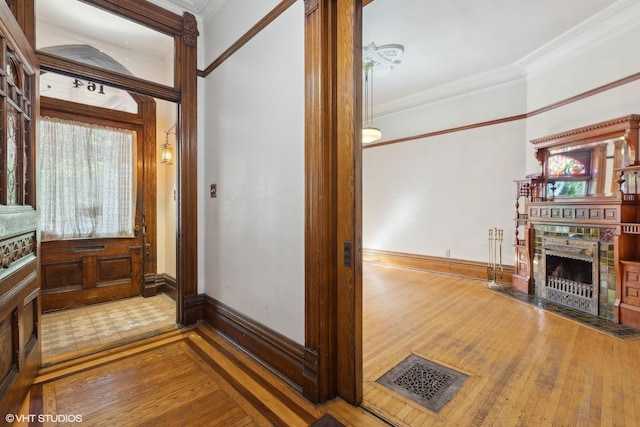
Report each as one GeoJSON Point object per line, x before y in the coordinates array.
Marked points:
{"type": "Point", "coordinates": [585, 162]}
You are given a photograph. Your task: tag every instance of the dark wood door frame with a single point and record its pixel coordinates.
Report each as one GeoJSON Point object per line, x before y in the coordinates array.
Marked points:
{"type": "Point", "coordinates": [184, 31]}
{"type": "Point", "coordinates": [333, 261]}
{"type": "Point", "coordinates": [333, 295]}
{"type": "Point", "coordinates": [144, 123]}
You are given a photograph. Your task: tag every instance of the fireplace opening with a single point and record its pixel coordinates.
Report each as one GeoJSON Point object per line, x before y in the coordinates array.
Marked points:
{"type": "Point", "coordinates": [571, 273]}
{"type": "Point", "coordinates": [575, 270]}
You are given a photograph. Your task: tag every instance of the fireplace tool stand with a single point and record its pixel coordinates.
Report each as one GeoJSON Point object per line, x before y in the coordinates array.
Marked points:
{"type": "Point", "coordinates": [495, 270]}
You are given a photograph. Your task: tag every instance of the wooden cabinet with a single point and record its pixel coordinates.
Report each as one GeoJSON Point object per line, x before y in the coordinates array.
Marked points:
{"type": "Point", "coordinates": [19, 281]}
{"type": "Point", "coordinates": [628, 250]}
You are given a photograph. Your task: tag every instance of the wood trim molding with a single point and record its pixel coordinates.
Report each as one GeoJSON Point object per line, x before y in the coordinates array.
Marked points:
{"type": "Point", "coordinates": [167, 284]}
{"type": "Point", "coordinates": [186, 79]}
{"type": "Point", "coordinates": [445, 131]}
{"type": "Point", "coordinates": [562, 103]}
{"type": "Point", "coordinates": [348, 109]}
{"type": "Point", "coordinates": [145, 13]}
{"type": "Point", "coordinates": [280, 353]}
{"type": "Point", "coordinates": [456, 267]}
{"type": "Point", "coordinates": [595, 91]}
{"type": "Point", "coordinates": [192, 309]}
{"type": "Point", "coordinates": [268, 18]}
{"type": "Point", "coordinates": [100, 75]}
{"type": "Point", "coordinates": [320, 204]}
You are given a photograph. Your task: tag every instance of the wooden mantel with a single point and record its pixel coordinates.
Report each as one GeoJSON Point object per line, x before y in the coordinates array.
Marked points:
{"type": "Point", "coordinates": [613, 209]}
{"type": "Point", "coordinates": [623, 127]}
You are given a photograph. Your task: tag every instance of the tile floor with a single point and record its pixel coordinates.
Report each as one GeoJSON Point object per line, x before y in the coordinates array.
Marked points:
{"type": "Point", "coordinates": [103, 325]}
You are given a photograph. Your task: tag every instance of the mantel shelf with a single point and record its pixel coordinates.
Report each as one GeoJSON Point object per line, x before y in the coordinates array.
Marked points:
{"type": "Point", "coordinates": [631, 168]}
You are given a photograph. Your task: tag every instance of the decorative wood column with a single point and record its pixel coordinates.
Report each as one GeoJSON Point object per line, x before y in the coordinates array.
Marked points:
{"type": "Point", "coordinates": [186, 76]}
{"type": "Point", "coordinates": [333, 296]}
{"type": "Point", "coordinates": [320, 214]}
{"type": "Point", "coordinates": [349, 193]}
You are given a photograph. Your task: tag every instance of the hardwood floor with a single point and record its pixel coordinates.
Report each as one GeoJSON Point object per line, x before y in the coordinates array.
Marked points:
{"type": "Point", "coordinates": [188, 377]}
{"type": "Point", "coordinates": [526, 366]}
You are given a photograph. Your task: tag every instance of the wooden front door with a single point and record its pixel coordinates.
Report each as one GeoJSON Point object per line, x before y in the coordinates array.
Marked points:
{"type": "Point", "coordinates": [20, 352]}
{"type": "Point", "coordinates": [82, 271]}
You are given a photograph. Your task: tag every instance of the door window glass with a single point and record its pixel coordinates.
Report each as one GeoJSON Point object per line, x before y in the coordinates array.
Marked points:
{"type": "Point", "coordinates": [87, 180]}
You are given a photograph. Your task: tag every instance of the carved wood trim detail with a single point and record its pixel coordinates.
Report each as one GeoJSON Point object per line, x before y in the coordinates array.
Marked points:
{"type": "Point", "coordinates": [585, 133]}
{"type": "Point", "coordinates": [15, 248]}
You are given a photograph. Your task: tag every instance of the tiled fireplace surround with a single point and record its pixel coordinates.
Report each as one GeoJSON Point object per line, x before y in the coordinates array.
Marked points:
{"type": "Point", "coordinates": [607, 273]}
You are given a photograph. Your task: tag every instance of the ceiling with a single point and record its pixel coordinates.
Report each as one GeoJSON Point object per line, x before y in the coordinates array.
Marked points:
{"type": "Point", "coordinates": [445, 42]}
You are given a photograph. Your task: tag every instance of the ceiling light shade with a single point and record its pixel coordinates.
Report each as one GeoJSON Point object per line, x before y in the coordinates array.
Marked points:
{"type": "Point", "coordinates": [370, 134]}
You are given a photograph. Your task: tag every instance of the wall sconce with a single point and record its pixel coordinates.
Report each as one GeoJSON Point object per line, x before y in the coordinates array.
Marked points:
{"type": "Point", "coordinates": [166, 153]}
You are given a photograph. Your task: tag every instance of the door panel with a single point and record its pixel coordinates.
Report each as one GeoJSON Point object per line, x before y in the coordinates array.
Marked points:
{"type": "Point", "coordinates": [82, 272]}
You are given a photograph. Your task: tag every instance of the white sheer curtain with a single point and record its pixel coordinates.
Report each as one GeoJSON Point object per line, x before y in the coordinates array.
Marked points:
{"type": "Point", "coordinates": [87, 176]}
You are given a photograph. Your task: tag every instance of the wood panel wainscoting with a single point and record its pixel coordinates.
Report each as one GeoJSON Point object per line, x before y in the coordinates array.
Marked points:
{"type": "Point", "coordinates": [456, 267]}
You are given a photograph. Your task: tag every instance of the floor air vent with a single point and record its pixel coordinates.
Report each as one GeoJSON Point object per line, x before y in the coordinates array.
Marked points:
{"type": "Point", "coordinates": [425, 382]}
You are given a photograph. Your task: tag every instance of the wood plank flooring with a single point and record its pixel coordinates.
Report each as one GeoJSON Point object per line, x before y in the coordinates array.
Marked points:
{"type": "Point", "coordinates": [183, 378]}
{"type": "Point", "coordinates": [527, 367]}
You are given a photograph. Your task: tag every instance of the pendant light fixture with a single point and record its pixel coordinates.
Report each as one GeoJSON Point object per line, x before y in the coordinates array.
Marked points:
{"type": "Point", "coordinates": [369, 133]}
{"type": "Point", "coordinates": [380, 60]}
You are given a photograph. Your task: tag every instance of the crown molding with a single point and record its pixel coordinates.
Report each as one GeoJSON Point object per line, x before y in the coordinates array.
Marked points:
{"type": "Point", "coordinates": [619, 18]}
{"type": "Point", "coordinates": [201, 9]}
{"type": "Point", "coordinates": [209, 8]}
{"type": "Point", "coordinates": [467, 85]}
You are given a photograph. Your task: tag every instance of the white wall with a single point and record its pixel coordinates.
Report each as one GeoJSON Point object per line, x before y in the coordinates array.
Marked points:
{"type": "Point", "coordinates": [166, 185]}
{"type": "Point", "coordinates": [442, 193]}
{"type": "Point", "coordinates": [605, 62]}
{"type": "Point", "coordinates": [253, 149]}
{"type": "Point", "coordinates": [429, 195]}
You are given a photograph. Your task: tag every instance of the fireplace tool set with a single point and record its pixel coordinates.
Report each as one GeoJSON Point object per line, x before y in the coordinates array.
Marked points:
{"type": "Point", "coordinates": [495, 270]}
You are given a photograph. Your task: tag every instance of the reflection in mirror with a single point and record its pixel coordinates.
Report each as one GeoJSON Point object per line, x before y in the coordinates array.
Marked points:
{"type": "Point", "coordinates": [586, 169]}
{"type": "Point", "coordinates": [146, 53]}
